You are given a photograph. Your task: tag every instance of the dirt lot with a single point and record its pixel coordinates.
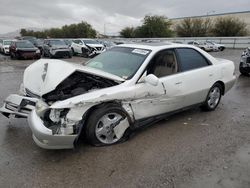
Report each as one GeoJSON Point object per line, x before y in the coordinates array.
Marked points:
{"type": "Point", "coordinates": [189, 149]}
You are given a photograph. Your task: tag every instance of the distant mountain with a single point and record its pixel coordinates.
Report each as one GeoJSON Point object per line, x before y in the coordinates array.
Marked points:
{"type": "Point", "coordinates": [16, 33]}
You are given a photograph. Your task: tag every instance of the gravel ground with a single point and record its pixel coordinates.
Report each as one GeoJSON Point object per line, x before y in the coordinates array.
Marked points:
{"type": "Point", "coordinates": [189, 149]}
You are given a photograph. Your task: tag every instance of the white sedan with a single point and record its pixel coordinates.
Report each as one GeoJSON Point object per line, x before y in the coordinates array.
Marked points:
{"type": "Point", "coordinates": [122, 89]}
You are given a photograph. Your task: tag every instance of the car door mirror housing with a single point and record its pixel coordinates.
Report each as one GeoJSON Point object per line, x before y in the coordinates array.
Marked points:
{"type": "Point", "coordinates": [152, 80]}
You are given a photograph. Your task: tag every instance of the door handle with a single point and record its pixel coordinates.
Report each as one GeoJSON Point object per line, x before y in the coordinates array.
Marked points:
{"type": "Point", "coordinates": [178, 83]}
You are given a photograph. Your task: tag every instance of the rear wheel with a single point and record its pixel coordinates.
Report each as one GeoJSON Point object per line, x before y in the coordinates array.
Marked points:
{"type": "Point", "coordinates": [213, 98]}
{"type": "Point", "coordinates": [100, 128]}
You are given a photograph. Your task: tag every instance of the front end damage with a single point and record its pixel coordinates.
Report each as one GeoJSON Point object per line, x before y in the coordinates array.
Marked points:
{"type": "Point", "coordinates": [60, 128]}
{"type": "Point", "coordinates": [56, 126]}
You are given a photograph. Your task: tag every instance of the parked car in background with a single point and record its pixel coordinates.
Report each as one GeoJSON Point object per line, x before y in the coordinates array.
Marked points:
{"type": "Point", "coordinates": [107, 44]}
{"type": "Point", "coordinates": [203, 45]}
{"type": "Point", "coordinates": [118, 91]}
{"type": "Point", "coordinates": [220, 47]}
{"type": "Point", "coordinates": [35, 41]}
{"type": "Point", "coordinates": [4, 46]}
{"type": "Point", "coordinates": [56, 48]}
{"type": "Point", "coordinates": [245, 62]}
{"type": "Point", "coordinates": [87, 47]}
{"type": "Point", "coordinates": [23, 49]}
{"type": "Point", "coordinates": [68, 42]}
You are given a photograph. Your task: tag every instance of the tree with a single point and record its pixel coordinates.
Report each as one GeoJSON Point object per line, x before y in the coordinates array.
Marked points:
{"type": "Point", "coordinates": [79, 30]}
{"type": "Point", "coordinates": [194, 27]}
{"type": "Point", "coordinates": [128, 32]}
{"type": "Point", "coordinates": [153, 26]}
{"type": "Point", "coordinates": [229, 26]}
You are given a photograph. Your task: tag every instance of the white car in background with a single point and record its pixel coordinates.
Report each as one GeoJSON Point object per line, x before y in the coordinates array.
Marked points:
{"type": "Point", "coordinates": [220, 47]}
{"type": "Point", "coordinates": [204, 46]}
{"type": "Point", "coordinates": [4, 46]}
{"type": "Point", "coordinates": [87, 47]}
{"type": "Point", "coordinates": [118, 91]}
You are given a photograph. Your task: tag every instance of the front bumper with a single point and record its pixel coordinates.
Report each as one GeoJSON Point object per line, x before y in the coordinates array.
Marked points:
{"type": "Point", "coordinates": [60, 53]}
{"type": "Point", "coordinates": [17, 105]}
{"type": "Point", "coordinates": [44, 138]}
{"type": "Point", "coordinates": [6, 51]}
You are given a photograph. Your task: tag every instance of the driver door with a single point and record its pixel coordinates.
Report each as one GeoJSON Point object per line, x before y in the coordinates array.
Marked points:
{"type": "Point", "coordinates": [167, 96]}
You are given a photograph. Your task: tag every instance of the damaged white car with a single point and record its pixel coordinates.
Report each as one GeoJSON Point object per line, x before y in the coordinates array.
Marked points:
{"type": "Point", "coordinates": [122, 89]}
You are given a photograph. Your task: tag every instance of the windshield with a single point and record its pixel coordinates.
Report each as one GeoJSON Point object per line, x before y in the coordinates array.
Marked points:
{"type": "Point", "coordinates": [24, 44]}
{"type": "Point", "coordinates": [210, 42]}
{"type": "Point", "coordinates": [7, 42]}
{"type": "Point", "coordinates": [120, 61]}
{"type": "Point", "coordinates": [90, 42]}
{"type": "Point", "coordinates": [57, 42]}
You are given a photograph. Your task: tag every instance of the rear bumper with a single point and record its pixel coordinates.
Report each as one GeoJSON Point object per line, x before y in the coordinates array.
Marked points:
{"type": "Point", "coordinates": [230, 84]}
{"type": "Point", "coordinates": [17, 105]}
{"type": "Point", "coordinates": [44, 138]}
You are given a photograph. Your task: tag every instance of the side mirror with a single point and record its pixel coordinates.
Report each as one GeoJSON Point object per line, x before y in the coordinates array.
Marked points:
{"type": "Point", "coordinates": [152, 80]}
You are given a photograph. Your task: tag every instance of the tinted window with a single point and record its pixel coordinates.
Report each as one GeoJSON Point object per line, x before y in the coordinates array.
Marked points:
{"type": "Point", "coordinates": [191, 59]}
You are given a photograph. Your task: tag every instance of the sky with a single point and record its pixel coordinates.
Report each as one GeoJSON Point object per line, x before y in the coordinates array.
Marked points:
{"type": "Point", "coordinates": [104, 15]}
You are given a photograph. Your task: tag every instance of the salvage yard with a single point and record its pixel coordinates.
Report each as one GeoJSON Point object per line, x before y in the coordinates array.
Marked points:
{"type": "Point", "coordinates": [189, 149]}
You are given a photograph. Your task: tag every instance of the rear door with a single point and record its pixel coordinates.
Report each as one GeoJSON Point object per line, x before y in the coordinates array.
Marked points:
{"type": "Point", "coordinates": [197, 75]}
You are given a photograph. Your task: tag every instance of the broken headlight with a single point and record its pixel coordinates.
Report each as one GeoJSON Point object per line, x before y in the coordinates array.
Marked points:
{"type": "Point", "coordinates": [41, 108]}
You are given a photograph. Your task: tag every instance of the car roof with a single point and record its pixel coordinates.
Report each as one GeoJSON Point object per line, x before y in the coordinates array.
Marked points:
{"type": "Point", "coordinates": [155, 46]}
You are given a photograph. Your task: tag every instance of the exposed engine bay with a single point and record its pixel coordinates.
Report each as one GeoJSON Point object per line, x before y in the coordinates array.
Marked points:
{"type": "Point", "coordinates": [76, 84]}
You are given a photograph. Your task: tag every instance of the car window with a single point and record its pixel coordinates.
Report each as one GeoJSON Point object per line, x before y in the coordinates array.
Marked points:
{"type": "Point", "coordinates": [163, 64]}
{"type": "Point", "coordinates": [191, 59]}
{"type": "Point", "coordinates": [121, 61]}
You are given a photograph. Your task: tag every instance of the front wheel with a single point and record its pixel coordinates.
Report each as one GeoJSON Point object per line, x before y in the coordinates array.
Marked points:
{"type": "Point", "coordinates": [213, 98]}
{"type": "Point", "coordinates": [106, 125]}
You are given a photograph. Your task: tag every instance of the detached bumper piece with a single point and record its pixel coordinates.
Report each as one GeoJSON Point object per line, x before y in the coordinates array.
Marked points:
{"type": "Point", "coordinates": [18, 106]}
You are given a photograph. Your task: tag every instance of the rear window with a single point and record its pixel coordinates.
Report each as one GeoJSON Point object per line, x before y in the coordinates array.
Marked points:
{"type": "Point", "coordinates": [191, 59]}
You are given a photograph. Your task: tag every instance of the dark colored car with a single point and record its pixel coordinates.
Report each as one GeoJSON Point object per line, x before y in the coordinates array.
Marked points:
{"type": "Point", "coordinates": [24, 49]}
{"type": "Point", "coordinates": [35, 41]}
{"type": "Point", "coordinates": [245, 62]}
{"type": "Point", "coordinates": [56, 48]}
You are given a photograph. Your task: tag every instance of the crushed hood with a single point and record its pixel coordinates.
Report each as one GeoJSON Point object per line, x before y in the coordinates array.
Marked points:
{"type": "Point", "coordinates": [45, 75]}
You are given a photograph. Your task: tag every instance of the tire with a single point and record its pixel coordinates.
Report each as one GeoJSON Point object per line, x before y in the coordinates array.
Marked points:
{"type": "Point", "coordinates": [11, 55]}
{"type": "Point", "coordinates": [85, 53]}
{"type": "Point", "coordinates": [70, 55]}
{"type": "Point", "coordinates": [213, 98]}
{"type": "Point", "coordinates": [50, 55]}
{"type": "Point", "coordinates": [221, 48]}
{"type": "Point", "coordinates": [73, 51]}
{"type": "Point", "coordinates": [99, 133]}
{"type": "Point", "coordinates": [242, 70]}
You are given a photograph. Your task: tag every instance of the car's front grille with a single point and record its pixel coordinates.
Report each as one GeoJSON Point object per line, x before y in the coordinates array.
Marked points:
{"type": "Point", "coordinates": [30, 94]}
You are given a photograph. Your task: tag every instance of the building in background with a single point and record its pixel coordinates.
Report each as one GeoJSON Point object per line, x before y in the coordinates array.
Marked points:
{"type": "Point", "coordinates": [244, 16]}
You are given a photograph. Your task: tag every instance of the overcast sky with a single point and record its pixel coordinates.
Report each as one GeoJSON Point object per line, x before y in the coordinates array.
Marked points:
{"type": "Point", "coordinates": [114, 14]}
